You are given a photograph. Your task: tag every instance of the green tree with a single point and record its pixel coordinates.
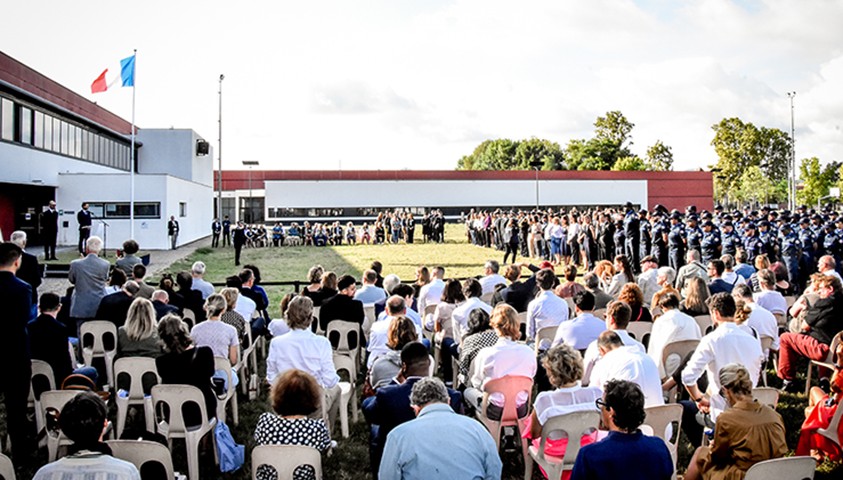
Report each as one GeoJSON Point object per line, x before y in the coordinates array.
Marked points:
{"type": "Point", "coordinates": [615, 128]}
{"type": "Point", "coordinates": [491, 155]}
{"type": "Point", "coordinates": [593, 154]}
{"type": "Point", "coordinates": [816, 180]}
{"type": "Point", "coordinates": [660, 157]}
{"type": "Point", "coordinates": [740, 145]}
{"type": "Point", "coordinates": [754, 187]}
{"type": "Point", "coordinates": [535, 149]}
{"type": "Point", "coordinates": [631, 163]}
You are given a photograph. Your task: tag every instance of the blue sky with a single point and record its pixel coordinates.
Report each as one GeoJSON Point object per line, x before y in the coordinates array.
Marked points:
{"type": "Point", "coordinates": [392, 84]}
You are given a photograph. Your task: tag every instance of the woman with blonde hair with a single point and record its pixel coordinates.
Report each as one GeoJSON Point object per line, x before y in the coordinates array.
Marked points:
{"type": "Point", "coordinates": [696, 295]}
{"type": "Point", "coordinates": [314, 278]}
{"type": "Point", "coordinates": [422, 279]}
{"type": "Point", "coordinates": [745, 434]}
{"type": "Point", "coordinates": [488, 364]}
{"type": "Point", "coordinates": [231, 316]}
{"type": "Point", "coordinates": [138, 337]}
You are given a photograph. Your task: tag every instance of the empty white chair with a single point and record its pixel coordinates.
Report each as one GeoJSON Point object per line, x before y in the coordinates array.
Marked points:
{"type": "Point", "coordinates": [285, 459]}
{"type": "Point", "coordinates": [172, 426]}
{"type": "Point", "coordinates": [369, 311]}
{"type": "Point", "coordinates": [141, 452]}
{"type": "Point", "coordinates": [766, 396]}
{"type": "Point", "coordinates": [136, 368]}
{"type": "Point", "coordinates": [93, 335]}
{"type": "Point", "coordinates": [347, 392]}
{"type": "Point", "coordinates": [790, 468]}
{"type": "Point", "coordinates": [41, 372]}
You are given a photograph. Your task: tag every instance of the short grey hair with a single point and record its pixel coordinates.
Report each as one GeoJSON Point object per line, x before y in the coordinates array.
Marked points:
{"type": "Point", "coordinates": [94, 244]}
{"type": "Point", "coordinates": [668, 273]}
{"type": "Point", "coordinates": [390, 282]}
{"type": "Point", "coordinates": [591, 281]}
{"type": "Point", "coordinates": [429, 390]}
{"type": "Point", "coordinates": [693, 255]}
{"type": "Point", "coordinates": [493, 265]}
{"type": "Point", "coordinates": [198, 268]}
{"type": "Point", "coordinates": [161, 296]}
{"type": "Point", "coordinates": [18, 238]}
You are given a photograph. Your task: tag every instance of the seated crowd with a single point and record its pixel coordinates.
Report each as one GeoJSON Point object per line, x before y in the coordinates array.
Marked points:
{"type": "Point", "coordinates": [615, 346]}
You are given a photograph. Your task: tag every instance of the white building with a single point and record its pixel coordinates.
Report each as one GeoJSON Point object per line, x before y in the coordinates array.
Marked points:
{"type": "Point", "coordinates": [57, 145]}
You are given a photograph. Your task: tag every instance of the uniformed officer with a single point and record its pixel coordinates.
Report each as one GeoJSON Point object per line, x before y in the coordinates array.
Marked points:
{"type": "Point", "coordinates": [660, 230]}
{"type": "Point", "coordinates": [645, 235]}
{"type": "Point", "coordinates": [831, 243]}
{"type": "Point", "coordinates": [676, 242]}
{"type": "Point", "coordinates": [693, 234]}
{"type": "Point", "coordinates": [767, 240]}
{"type": "Point", "coordinates": [791, 251]}
{"type": "Point", "coordinates": [632, 236]}
{"type": "Point", "coordinates": [752, 244]}
{"type": "Point", "coordinates": [710, 243]}
{"type": "Point", "coordinates": [729, 240]}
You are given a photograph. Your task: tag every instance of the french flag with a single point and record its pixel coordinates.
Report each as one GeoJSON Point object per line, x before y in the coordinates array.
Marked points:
{"type": "Point", "coordinates": [126, 77]}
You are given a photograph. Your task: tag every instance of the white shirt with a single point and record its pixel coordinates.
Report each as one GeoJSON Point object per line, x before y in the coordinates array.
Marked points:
{"type": "Point", "coordinates": [592, 353]}
{"type": "Point", "coordinates": [725, 344]}
{"type": "Point", "coordinates": [765, 323]}
{"type": "Point", "coordinates": [431, 294]}
{"type": "Point", "coordinates": [460, 315]}
{"type": "Point", "coordinates": [833, 273]}
{"type": "Point", "coordinates": [278, 327]}
{"type": "Point", "coordinates": [203, 286]}
{"type": "Point", "coordinates": [546, 310]}
{"type": "Point", "coordinates": [304, 350]}
{"type": "Point", "coordinates": [565, 400]}
{"type": "Point", "coordinates": [370, 294]}
{"type": "Point", "coordinates": [409, 313]}
{"type": "Point", "coordinates": [378, 337]}
{"type": "Point", "coordinates": [771, 300]}
{"type": "Point", "coordinates": [579, 332]}
{"type": "Point", "coordinates": [629, 363]}
{"type": "Point", "coordinates": [733, 278]}
{"type": "Point", "coordinates": [489, 282]}
{"type": "Point", "coordinates": [672, 326]}
{"type": "Point", "coordinates": [245, 307]}
{"type": "Point", "coordinates": [648, 284]}
{"type": "Point", "coordinates": [505, 357]}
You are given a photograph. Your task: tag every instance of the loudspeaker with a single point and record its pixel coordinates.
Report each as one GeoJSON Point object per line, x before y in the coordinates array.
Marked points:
{"type": "Point", "coordinates": [202, 147]}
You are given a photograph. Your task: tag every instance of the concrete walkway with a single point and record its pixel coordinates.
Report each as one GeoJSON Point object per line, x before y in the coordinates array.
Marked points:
{"type": "Point", "coordinates": [159, 261]}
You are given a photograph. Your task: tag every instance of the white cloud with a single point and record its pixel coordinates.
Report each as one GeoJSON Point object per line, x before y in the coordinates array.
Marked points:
{"type": "Point", "coordinates": [385, 84]}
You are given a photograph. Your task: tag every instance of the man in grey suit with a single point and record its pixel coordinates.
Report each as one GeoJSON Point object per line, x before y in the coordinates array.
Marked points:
{"type": "Point", "coordinates": [88, 276]}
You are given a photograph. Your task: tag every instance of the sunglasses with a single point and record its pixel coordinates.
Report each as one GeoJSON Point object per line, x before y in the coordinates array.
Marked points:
{"type": "Point", "coordinates": [601, 404]}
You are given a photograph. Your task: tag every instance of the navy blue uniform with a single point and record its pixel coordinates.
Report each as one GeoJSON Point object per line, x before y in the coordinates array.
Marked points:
{"type": "Point", "coordinates": [694, 238]}
{"type": "Point", "coordinates": [790, 250]}
{"type": "Point", "coordinates": [676, 246]}
{"type": "Point", "coordinates": [659, 249]}
{"type": "Point", "coordinates": [632, 234]}
{"type": "Point", "coordinates": [646, 238]}
{"type": "Point", "coordinates": [730, 243]}
{"type": "Point", "coordinates": [753, 247]}
{"type": "Point", "coordinates": [710, 244]}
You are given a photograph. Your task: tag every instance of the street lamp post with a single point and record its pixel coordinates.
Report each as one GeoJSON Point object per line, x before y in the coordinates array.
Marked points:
{"type": "Point", "coordinates": [219, 156]}
{"type": "Point", "coordinates": [793, 174]}
{"type": "Point", "coordinates": [537, 164]}
{"type": "Point", "coordinates": [250, 164]}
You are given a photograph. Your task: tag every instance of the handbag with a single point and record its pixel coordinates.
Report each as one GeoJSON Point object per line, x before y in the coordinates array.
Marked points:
{"type": "Point", "coordinates": [231, 454]}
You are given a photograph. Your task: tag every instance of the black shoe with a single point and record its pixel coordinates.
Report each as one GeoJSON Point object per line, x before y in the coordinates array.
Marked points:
{"type": "Point", "coordinates": [788, 386]}
{"type": "Point", "coordinates": [824, 385]}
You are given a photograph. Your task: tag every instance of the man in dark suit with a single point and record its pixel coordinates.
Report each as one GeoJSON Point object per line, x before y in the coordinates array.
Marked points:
{"type": "Point", "coordinates": [390, 406]}
{"type": "Point", "coordinates": [216, 229]}
{"type": "Point", "coordinates": [342, 306]}
{"type": "Point", "coordinates": [16, 298]}
{"type": "Point", "coordinates": [115, 307]}
{"type": "Point", "coordinates": [49, 230]}
{"type": "Point", "coordinates": [161, 304]}
{"type": "Point", "coordinates": [238, 240]}
{"type": "Point", "coordinates": [29, 271]}
{"type": "Point", "coordinates": [173, 232]}
{"type": "Point", "coordinates": [83, 218]}
{"type": "Point", "coordinates": [48, 337]}
{"type": "Point", "coordinates": [518, 294]}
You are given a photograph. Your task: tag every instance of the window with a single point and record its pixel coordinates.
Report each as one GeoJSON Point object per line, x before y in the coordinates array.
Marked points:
{"type": "Point", "coordinates": [56, 135]}
{"type": "Point", "coordinates": [25, 126]}
{"type": "Point", "coordinates": [7, 120]}
{"type": "Point", "coordinates": [38, 130]}
{"type": "Point", "coordinates": [120, 210]}
{"type": "Point", "coordinates": [78, 133]}
{"type": "Point", "coordinates": [182, 209]}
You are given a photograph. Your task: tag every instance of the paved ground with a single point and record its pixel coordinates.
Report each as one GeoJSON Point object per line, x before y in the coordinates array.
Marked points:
{"type": "Point", "coordinates": [159, 260]}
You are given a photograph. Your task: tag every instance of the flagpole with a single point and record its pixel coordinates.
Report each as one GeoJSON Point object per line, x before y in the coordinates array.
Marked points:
{"type": "Point", "coordinates": [132, 166]}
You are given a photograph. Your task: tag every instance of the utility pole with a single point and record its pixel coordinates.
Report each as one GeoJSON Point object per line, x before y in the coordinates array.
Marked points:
{"type": "Point", "coordinates": [793, 168]}
{"type": "Point", "coordinates": [219, 156]}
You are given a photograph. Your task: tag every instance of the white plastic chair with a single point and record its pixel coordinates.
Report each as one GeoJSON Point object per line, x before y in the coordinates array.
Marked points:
{"type": "Point", "coordinates": [833, 431]}
{"type": "Point", "coordinates": [172, 427]}
{"type": "Point", "coordinates": [661, 419]}
{"type": "Point", "coordinates": [369, 311]}
{"type": "Point", "coordinates": [790, 468]}
{"type": "Point", "coordinates": [487, 297]}
{"type": "Point", "coordinates": [285, 459]}
{"type": "Point", "coordinates": [52, 402]}
{"type": "Point", "coordinates": [640, 331]}
{"type": "Point", "coordinates": [348, 393]}
{"type": "Point", "coordinates": [767, 396]}
{"type": "Point", "coordinates": [509, 386]}
{"type": "Point", "coordinates": [43, 370]}
{"type": "Point", "coordinates": [247, 361]}
{"type": "Point", "coordinates": [704, 322]}
{"type": "Point", "coordinates": [189, 317]}
{"type": "Point", "coordinates": [546, 333]}
{"type": "Point", "coordinates": [96, 331]}
{"type": "Point", "coordinates": [572, 307]}
{"type": "Point", "coordinates": [141, 452]}
{"type": "Point", "coordinates": [7, 470]}
{"type": "Point", "coordinates": [230, 394]}
{"type": "Point", "coordinates": [135, 368]}
{"type": "Point", "coordinates": [679, 349]}
{"type": "Point", "coordinates": [317, 329]}
{"type": "Point", "coordinates": [575, 425]}
{"type": "Point", "coordinates": [522, 324]}
{"type": "Point", "coordinates": [346, 331]}
{"type": "Point", "coordinates": [827, 363]}
{"type": "Point", "coordinates": [766, 343]}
